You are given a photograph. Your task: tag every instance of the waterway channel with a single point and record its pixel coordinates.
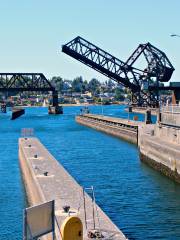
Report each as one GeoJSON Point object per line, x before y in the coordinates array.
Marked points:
{"type": "Point", "coordinates": [142, 202]}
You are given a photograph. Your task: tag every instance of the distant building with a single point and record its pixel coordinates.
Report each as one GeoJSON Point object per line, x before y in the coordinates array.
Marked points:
{"type": "Point", "coordinates": [86, 94]}
{"type": "Point", "coordinates": [110, 95]}
{"type": "Point", "coordinates": [76, 94]}
{"type": "Point", "coordinates": [89, 100]}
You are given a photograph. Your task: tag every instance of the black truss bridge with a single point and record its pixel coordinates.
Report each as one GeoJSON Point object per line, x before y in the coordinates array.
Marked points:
{"type": "Point", "coordinates": [33, 82]}
{"type": "Point", "coordinates": [24, 82]}
{"type": "Point", "coordinates": [102, 62]}
{"type": "Point", "coordinates": [157, 68]}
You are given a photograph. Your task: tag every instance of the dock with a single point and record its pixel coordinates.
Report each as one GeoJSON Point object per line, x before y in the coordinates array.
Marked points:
{"type": "Point", "coordinates": [118, 127]}
{"type": "Point", "coordinates": [45, 179]}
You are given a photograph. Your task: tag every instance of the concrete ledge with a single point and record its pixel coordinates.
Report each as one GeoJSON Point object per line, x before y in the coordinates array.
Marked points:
{"type": "Point", "coordinates": [160, 153]}
{"type": "Point", "coordinates": [121, 129]}
{"type": "Point", "coordinates": [33, 190]}
{"type": "Point", "coordinates": [143, 110]}
{"type": "Point", "coordinates": [160, 167]}
{"type": "Point", "coordinates": [45, 179]}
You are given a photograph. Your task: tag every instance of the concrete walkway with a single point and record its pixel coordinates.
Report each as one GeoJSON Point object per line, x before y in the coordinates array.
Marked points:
{"type": "Point", "coordinates": [45, 179]}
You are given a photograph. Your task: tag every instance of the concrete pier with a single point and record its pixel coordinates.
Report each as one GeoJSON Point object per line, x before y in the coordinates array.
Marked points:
{"type": "Point", "coordinates": [159, 148]}
{"type": "Point", "coordinates": [45, 179]}
{"type": "Point", "coordinates": [118, 127]}
{"type": "Point", "coordinates": [55, 109]}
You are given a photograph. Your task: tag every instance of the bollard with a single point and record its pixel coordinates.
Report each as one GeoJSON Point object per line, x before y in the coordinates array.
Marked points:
{"type": "Point", "coordinates": [148, 119]}
{"type": "Point", "coordinates": [130, 109]}
{"type": "Point", "coordinates": [159, 115]}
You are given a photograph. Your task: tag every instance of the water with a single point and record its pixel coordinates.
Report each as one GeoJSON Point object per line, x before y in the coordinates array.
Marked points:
{"type": "Point", "coordinates": [141, 201]}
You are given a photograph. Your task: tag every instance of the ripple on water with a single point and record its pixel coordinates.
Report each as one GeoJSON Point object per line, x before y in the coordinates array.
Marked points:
{"type": "Point", "coordinates": [142, 202]}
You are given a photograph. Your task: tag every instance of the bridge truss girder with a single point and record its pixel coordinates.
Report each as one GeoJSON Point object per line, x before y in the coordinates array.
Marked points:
{"type": "Point", "coordinates": [158, 67]}
{"type": "Point", "coordinates": [33, 82]}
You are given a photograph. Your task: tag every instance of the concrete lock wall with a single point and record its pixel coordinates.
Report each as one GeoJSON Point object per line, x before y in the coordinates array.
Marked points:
{"type": "Point", "coordinates": [33, 190]}
{"type": "Point", "coordinates": [159, 153]}
{"type": "Point", "coordinates": [168, 133]}
{"type": "Point", "coordinates": [45, 179]}
{"type": "Point", "coordinates": [170, 118]}
{"type": "Point", "coordinates": [126, 133]}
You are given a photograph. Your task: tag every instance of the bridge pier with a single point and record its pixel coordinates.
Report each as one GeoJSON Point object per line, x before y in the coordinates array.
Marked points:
{"type": "Point", "coordinates": [3, 108]}
{"type": "Point", "coordinates": [55, 108]}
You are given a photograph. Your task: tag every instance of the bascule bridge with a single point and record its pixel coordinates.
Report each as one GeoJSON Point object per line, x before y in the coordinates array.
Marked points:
{"type": "Point", "coordinates": [144, 82]}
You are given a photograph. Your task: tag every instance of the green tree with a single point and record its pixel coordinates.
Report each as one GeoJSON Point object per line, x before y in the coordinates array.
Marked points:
{"type": "Point", "coordinates": [78, 85]}
{"type": "Point", "coordinates": [94, 85]}
{"type": "Point", "coordinates": [119, 96]}
{"type": "Point", "coordinates": [58, 83]}
{"type": "Point", "coordinates": [110, 85]}
{"type": "Point", "coordinates": [85, 86]}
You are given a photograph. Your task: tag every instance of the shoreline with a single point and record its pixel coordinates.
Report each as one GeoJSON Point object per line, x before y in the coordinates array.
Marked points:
{"type": "Point", "coordinates": [70, 105]}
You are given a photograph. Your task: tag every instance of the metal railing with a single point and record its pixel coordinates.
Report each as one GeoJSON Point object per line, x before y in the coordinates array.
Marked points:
{"type": "Point", "coordinates": [170, 109]}
{"type": "Point", "coordinates": [27, 132]}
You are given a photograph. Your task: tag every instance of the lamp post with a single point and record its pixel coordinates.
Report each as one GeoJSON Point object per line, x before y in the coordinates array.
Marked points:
{"type": "Point", "coordinates": [174, 35]}
{"type": "Point", "coordinates": [102, 110]}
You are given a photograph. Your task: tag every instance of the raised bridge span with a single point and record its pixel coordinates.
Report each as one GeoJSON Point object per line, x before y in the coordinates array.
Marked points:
{"type": "Point", "coordinates": [157, 68]}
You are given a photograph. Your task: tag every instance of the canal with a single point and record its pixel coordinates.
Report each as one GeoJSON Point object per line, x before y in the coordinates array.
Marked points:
{"type": "Point", "coordinates": [142, 202]}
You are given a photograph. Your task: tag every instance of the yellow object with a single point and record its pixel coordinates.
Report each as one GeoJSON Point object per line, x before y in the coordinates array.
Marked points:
{"type": "Point", "coordinates": [72, 229]}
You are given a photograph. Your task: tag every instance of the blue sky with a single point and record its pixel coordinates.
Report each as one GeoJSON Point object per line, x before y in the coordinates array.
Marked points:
{"type": "Point", "coordinates": [32, 32]}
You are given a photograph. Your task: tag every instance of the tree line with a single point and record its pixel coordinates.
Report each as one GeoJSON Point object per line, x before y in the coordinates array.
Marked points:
{"type": "Point", "coordinates": [94, 86]}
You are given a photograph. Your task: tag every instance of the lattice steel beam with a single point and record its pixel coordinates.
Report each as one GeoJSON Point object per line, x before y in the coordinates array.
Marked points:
{"type": "Point", "coordinates": [24, 82]}
{"type": "Point", "coordinates": [158, 69]}
{"type": "Point", "coordinates": [105, 63]}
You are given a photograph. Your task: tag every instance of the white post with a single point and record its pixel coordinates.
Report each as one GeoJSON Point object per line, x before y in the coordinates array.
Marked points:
{"type": "Point", "coordinates": [102, 112]}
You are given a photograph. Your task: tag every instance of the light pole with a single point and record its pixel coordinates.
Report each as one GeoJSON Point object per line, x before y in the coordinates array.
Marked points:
{"type": "Point", "coordinates": [174, 35]}
{"type": "Point", "coordinates": [102, 112]}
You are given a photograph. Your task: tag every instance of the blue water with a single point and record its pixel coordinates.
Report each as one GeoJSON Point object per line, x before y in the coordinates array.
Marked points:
{"type": "Point", "coordinates": [141, 201]}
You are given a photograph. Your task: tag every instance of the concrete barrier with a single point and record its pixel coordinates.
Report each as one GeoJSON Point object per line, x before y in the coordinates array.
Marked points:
{"type": "Point", "coordinates": [121, 128]}
{"type": "Point", "coordinates": [143, 110]}
{"type": "Point", "coordinates": [45, 179]}
{"type": "Point", "coordinates": [160, 152]}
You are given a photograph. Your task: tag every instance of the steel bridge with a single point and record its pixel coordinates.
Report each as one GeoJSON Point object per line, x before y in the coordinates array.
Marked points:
{"type": "Point", "coordinates": [34, 82]}
{"type": "Point", "coordinates": [158, 68]}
